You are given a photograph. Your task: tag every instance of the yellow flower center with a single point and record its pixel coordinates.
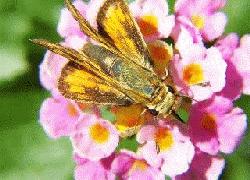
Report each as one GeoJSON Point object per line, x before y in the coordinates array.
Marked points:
{"type": "Point", "coordinates": [161, 54]}
{"type": "Point", "coordinates": [72, 110]}
{"type": "Point", "coordinates": [208, 121]}
{"type": "Point", "coordinates": [164, 139]}
{"type": "Point", "coordinates": [198, 21]}
{"type": "Point", "coordinates": [99, 133]}
{"type": "Point", "coordinates": [193, 74]}
{"type": "Point", "coordinates": [148, 25]}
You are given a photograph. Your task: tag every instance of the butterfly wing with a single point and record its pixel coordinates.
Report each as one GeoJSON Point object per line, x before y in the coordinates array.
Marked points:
{"type": "Point", "coordinates": [129, 79]}
{"type": "Point", "coordinates": [118, 31]}
{"type": "Point", "coordinates": [116, 24]}
{"type": "Point", "coordinates": [80, 84]}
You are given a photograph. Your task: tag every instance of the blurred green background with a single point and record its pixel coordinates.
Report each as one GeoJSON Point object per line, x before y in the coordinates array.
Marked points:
{"type": "Point", "coordinates": [25, 151]}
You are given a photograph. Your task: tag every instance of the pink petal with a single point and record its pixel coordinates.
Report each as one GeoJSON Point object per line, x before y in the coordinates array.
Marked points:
{"type": "Point", "coordinates": [149, 6]}
{"type": "Point", "coordinates": [92, 11]}
{"type": "Point", "coordinates": [150, 154]}
{"type": "Point", "coordinates": [190, 7]}
{"type": "Point", "coordinates": [211, 146]}
{"type": "Point", "coordinates": [122, 163]}
{"type": "Point", "coordinates": [245, 42]}
{"type": "Point", "coordinates": [214, 26]}
{"type": "Point", "coordinates": [234, 84]}
{"type": "Point", "coordinates": [246, 83]}
{"type": "Point", "coordinates": [50, 70]}
{"type": "Point", "coordinates": [227, 45]}
{"type": "Point", "coordinates": [178, 159]}
{"type": "Point", "coordinates": [67, 25]}
{"type": "Point", "coordinates": [215, 170]}
{"type": "Point", "coordinates": [215, 69]}
{"type": "Point", "coordinates": [189, 50]}
{"type": "Point", "coordinates": [231, 130]}
{"type": "Point", "coordinates": [145, 133]}
{"type": "Point", "coordinates": [92, 170]}
{"type": "Point", "coordinates": [149, 174]}
{"type": "Point", "coordinates": [200, 93]}
{"type": "Point", "coordinates": [241, 60]}
{"type": "Point", "coordinates": [204, 167]}
{"type": "Point", "coordinates": [75, 42]}
{"type": "Point", "coordinates": [182, 21]}
{"type": "Point", "coordinates": [58, 117]}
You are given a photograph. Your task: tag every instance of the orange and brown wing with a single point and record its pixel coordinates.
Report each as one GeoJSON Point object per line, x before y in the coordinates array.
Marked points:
{"type": "Point", "coordinates": [116, 24]}
{"type": "Point", "coordinates": [117, 31]}
{"type": "Point", "coordinates": [80, 84]}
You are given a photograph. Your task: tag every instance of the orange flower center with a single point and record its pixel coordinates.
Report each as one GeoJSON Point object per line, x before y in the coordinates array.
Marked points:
{"type": "Point", "coordinates": [164, 139]}
{"type": "Point", "coordinates": [161, 54]}
{"type": "Point", "coordinates": [148, 25]}
{"type": "Point", "coordinates": [139, 165]}
{"type": "Point", "coordinates": [129, 119]}
{"type": "Point", "coordinates": [198, 21]}
{"type": "Point", "coordinates": [72, 110]}
{"type": "Point", "coordinates": [208, 121]}
{"type": "Point", "coordinates": [193, 74]}
{"type": "Point", "coordinates": [99, 133]}
{"type": "Point", "coordinates": [83, 106]}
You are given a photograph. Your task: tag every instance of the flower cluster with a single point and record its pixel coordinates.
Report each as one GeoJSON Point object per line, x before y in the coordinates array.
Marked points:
{"type": "Point", "coordinates": [203, 64]}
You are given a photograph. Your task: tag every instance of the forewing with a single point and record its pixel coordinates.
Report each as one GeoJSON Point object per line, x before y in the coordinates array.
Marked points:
{"type": "Point", "coordinates": [116, 24]}
{"type": "Point", "coordinates": [111, 72]}
{"type": "Point", "coordinates": [82, 85]}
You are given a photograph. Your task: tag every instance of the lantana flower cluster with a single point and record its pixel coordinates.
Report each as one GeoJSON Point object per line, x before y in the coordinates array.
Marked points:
{"type": "Point", "coordinates": [203, 64]}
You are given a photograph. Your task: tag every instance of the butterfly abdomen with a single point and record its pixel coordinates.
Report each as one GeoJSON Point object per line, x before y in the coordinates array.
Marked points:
{"type": "Point", "coordinates": [163, 101]}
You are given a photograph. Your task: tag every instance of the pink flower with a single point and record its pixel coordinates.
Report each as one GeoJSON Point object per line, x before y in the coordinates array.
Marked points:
{"type": "Point", "coordinates": [204, 15]}
{"type": "Point", "coordinates": [152, 18]}
{"type": "Point", "coordinates": [94, 138]}
{"type": "Point", "coordinates": [75, 42]}
{"type": "Point", "coordinates": [227, 45]}
{"type": "Point", "coordinates": [241, 61]}
{"type": "Point", "coordinates": [184, 22]}
{"type": "Point", "coordinates": [237, 58]}
{"type": "Point", "coordinates": [128, 165]}
{"type": "Point", "coordinates": [92, 11]}
{"type": "Point", "coordinates": [203, 167]}
{"type": "Point", "coordinates": [234, 82]}
{"type": "Point", "coordinates": [58, 116]}
{"type": "Point", "coordinates": [50, 70]}
{"type": "Point", "coordinates": [198, 72]}
{"type": "Point", "coordinates": [67, 25]}
{"type": "Point", "coordinates": [88, 170]}
{"type": "Point", "coordinates": [166, 146]}
{"type": "Point", "coordinates": [216, 126]}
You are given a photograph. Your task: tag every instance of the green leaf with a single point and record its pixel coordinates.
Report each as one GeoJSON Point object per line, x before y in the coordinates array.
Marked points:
{"type": "Point", "coordinates": [129, 143]}
{"type": "Point", "coordinates": [238, 16]}
{"type": "Point", "coordinates": [184, 115]}
{"type": "Point", "coordinates": [26, 151]}
{"type": "Point", "coordinates": [106, 114]}
{"type": "Point", "coordinates": [12, 62]}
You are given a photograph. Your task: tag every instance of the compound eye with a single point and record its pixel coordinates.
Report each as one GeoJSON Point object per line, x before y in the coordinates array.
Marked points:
{"type": "Point", "coordinates": [170, 89]}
